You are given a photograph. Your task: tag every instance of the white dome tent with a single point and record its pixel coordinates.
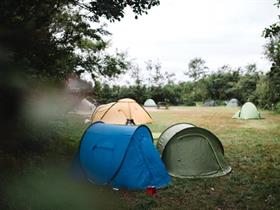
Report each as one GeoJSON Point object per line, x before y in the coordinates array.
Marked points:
{"type": "Point", "coordinates": [233, 103]}
{"type": "Point", "coordinates": [150, 103]}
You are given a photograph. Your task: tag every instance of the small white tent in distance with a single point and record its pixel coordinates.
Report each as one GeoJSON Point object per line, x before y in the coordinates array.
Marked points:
{"type": "Point", "coordinates": [233, 103]}
{"type": "Point", "coordinates": [150, 103]}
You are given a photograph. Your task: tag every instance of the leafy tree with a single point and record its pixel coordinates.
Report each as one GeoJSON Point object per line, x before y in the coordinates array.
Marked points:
{"type": "Point", "coordinates": [53, 38]}
{"type": "Point", "coordinates": [251, 69]}
{"type": "Point", "coordinates": [246, 86]}
{"type": "Point", "coordinates": [227, 83]}
{"type": "Point", "coordinates": [272, 51]}
{"type": "Point", "coordinates": [106, 95]}
{"type": "Point", "coordinates": [97, 89]}
{"type": "Point", "coordinates": [154, 70]}
{"type": "Point", "coordinates": [262, 92]}
{"type": "Point", "coordinates": [169, 77]}
{"type": "Point", "coordinates": [247, 83]}
{"type": "Point", "coordinates": [138, 93]}
{"type": "Point", "coordinates": [214, 86]}
{"type": "Point", "coordinates": [273, 46]}
{"type": "Point", "coordinates": [172, 93]}
{"type": "Point", "coordinates": [274, 78]}
{"type": "Point", "coordinates": [196, 68]}
{"type": "Point", "coordinates": [187, 92]}
{"type": "Point", "coordinates": [135, 73]}
{"type": "Point", "coordinates": [157, 93]}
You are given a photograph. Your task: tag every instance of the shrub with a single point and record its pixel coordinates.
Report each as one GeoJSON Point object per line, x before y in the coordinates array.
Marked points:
{"type": "Point", "coordinates": [189, 102]}
{"type": "Point", "coordinates": [277, 107]}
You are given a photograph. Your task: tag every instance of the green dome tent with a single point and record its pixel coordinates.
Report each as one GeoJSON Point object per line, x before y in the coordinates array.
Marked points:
{"type": "Point", "coordinates": [248, 111]}
{"type": "Point", "coordinates": [150, 103]}
{"type": "Point", "coordinates": [192, 152]}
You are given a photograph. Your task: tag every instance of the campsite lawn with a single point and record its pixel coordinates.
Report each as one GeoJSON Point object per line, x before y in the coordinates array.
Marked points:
{"type": "Point", "coordinates": [252, 149]}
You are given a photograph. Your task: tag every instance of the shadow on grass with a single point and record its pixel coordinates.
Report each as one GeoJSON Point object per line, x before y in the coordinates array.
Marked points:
{"type": "Point", "coordinates": [52, 188]}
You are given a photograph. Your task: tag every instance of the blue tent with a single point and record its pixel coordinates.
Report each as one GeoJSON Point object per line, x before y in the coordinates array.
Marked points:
{"type": "Point", "coordinates": [122, 156]}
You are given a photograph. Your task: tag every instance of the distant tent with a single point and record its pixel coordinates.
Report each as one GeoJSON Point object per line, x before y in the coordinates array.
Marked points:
{"type": "Point", "coordinates": [125, 111]}
{"type": "Point", "coordinates": [150, 103]}
{"type": "Point", "coordinates": [192, 152]}
{"type": "Point", "coordinates": [233, 103]}
{"type": "Point", "coordinates": [247, 111]}
{"type": "Point", "coordinates": [84, 107]}
{"type": "Point", "coordinates": [120, 156]}
{"type": "Point", "coordinates": [210, 103]}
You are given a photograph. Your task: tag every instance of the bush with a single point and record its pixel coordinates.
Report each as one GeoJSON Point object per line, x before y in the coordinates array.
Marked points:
{"type": "Point", "coordinates": [189, 102]}
{"type": "Point", "coordinates": [277, 107]}
{"type": "Point", "coordinates": [220, 102]}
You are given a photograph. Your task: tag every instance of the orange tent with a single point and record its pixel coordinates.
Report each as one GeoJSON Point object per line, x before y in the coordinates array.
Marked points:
{"type": "Point", "coordinates": [125, 111]}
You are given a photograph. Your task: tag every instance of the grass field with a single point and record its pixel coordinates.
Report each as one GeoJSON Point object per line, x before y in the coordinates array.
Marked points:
{"type": "Point", "coordinates": [252, 149]}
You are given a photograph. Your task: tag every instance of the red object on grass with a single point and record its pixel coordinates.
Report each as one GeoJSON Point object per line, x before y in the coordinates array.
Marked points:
{"type": "Point", "coordinates": [151, 190]}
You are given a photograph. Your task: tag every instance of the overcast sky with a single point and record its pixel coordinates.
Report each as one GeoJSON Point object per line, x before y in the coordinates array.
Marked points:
{"type": "Point", "coordinates": [219, 31]}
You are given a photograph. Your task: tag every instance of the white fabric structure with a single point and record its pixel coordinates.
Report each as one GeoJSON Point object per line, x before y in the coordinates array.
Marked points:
{"type": "Point", "coordinates": [84, 107]}
{"type": "Point", "coordinates": [233, 103]}
{"type": "Point", "coordinates": [150, 103]}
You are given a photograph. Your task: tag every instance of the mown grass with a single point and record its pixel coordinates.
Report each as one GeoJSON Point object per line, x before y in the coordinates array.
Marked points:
{"type": "Point", "coordinates": [252, 148]}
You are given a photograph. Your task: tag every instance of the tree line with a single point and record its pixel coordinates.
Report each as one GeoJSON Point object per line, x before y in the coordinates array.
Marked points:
{"type": "Point", "coordinates": [244, 83]}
